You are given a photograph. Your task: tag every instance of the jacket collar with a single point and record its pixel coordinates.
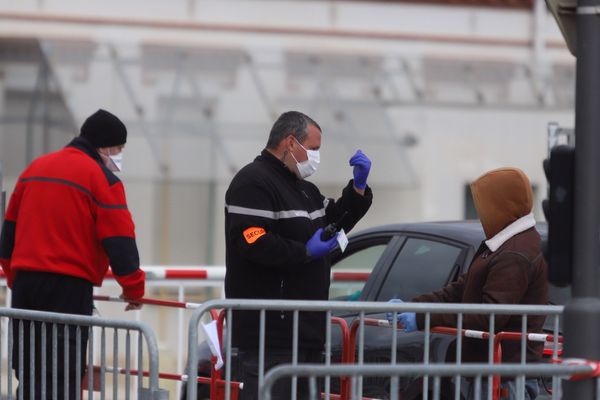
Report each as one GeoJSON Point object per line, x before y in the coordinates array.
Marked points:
{"type": "Point", "coordinates": [276, 163]}
{"type": "Point", "coordinates": [520, 225]}
{"type": "Point", "coordinates": [84, 145]}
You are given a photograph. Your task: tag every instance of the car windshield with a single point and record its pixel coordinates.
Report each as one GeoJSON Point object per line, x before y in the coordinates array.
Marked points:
{"type": "Point", "coordinates": [421, 267]}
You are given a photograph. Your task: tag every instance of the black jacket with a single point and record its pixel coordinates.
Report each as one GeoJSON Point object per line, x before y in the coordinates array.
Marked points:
{"type": "Point", "coordinates": [269, 216]}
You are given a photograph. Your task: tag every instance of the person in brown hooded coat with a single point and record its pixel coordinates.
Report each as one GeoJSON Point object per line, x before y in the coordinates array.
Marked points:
{"type": "Point", "coordinates": [508, 268]}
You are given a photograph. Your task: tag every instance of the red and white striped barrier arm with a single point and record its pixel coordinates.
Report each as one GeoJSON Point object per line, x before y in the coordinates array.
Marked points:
{"type": "Point", "coordinates": [384, 323]}
{"type": "Point", "coordinates": [156, 302]}
{"type": "Point", "coordinates": [593, 365]}
{"type": "Point", "coordinates": [217, 273]}
{"type": "Point", "coordinates": [162, 375]}
{"type": "Point", "coordinates": [533, 337]}
{"type": "Point", "coordinates": [350, 276]}
{"type": "Point", "coordinates": [158, 273]}
{"type": "Point", "coordinates": [470, 333]}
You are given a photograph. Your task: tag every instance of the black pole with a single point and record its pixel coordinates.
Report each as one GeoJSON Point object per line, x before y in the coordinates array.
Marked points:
{"type": "Point", "coordinates": [582, 314]}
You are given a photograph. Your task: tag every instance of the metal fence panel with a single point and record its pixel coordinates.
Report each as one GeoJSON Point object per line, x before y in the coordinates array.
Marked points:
{"type": "Point", "coordinates": [477, 371]}
{"type": "Point", "coordinates": [431, 382]}
{"type": "Point", "coordinates": [56, 347]}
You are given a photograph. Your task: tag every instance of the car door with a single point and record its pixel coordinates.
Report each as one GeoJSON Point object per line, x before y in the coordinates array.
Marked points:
{"type": "Point", "coordinates": [422, 264]}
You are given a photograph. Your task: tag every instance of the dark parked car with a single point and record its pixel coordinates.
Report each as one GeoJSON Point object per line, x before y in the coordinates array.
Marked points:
{"type": "Point", "coordinates": [405, 260]}
{"type": "Point", "coordinates": [408, 260]}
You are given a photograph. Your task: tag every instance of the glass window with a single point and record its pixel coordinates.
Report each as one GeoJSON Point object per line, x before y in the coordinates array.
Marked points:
{"type": "Point", "coordinates": [421, 267]}
{"type": "Point", "coordinates": [361, 261]}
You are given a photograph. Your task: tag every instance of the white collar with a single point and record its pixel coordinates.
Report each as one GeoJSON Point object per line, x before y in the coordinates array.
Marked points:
{"type": "Point", "coordinates": [520, 225]}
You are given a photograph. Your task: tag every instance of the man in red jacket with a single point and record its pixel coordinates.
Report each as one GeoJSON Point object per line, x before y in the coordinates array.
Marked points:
{"type": "Point", "coordinates": [66, 221]}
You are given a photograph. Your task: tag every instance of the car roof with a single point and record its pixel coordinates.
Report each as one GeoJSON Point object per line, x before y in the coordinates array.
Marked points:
{"type": "Point", "coordinates": [466, 231]}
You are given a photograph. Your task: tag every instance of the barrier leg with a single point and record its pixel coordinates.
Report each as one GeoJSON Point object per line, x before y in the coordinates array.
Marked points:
{"type": "Point", "coordinates": [214, 376]}
{"type": "Point", "coordinates": [496, 379]}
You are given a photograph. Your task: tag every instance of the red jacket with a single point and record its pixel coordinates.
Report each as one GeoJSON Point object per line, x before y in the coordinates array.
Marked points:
{"type": "Point", "coordinates": [68, 215]}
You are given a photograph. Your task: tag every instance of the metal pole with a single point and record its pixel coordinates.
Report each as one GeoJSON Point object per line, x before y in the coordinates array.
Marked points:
{"type": "Point", "coordinates": [582, 314]}
{"type": "Point", "coordinates": [31, 116]}
{"type": "Point", "coordinates": [212, 193]}
{"type": "Point", "coordinates": [45, 103]}
{"type": "Point", "coordinates": [538, 51]}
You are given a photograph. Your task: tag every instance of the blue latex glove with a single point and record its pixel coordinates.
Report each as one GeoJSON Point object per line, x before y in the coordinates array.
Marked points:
{"type": "Point", "coordinates": [408, 320]}
{"type": "Point", "coordinates": [317, 248]}
{"type": "Point", "coordinates": [390, 315]}
{"type": "Point", "coordinates": [362, 166]}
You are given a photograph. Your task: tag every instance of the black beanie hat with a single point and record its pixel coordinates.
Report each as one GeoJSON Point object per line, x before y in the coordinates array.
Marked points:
{"type": "Point", "coordinates": [103, 129]}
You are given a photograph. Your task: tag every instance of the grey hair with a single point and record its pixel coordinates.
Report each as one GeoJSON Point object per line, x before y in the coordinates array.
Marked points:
{"type": "Point", "coordinates": [290, 123]}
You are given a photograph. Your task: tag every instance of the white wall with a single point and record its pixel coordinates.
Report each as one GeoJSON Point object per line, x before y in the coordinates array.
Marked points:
{"type": "Point", "coordinates": [457, 138]}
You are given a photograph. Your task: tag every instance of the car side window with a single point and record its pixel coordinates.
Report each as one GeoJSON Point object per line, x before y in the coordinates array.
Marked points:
{"type": "Point", "coordinates": [358, 266]}
{"type": "Point", "coordinates": [421, 267]}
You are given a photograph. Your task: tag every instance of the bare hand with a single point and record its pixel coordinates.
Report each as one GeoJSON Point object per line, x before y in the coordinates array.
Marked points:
{"type": "Point", "coordinates": [131, 304]}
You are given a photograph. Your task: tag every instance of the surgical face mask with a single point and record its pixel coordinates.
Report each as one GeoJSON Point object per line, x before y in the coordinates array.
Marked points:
{"type": "Point", "coordinates": [117, 159]}
{"type": "Point", "coordinates": [308, 167]}
{"type": "Point", "coordinates": [114, 162]}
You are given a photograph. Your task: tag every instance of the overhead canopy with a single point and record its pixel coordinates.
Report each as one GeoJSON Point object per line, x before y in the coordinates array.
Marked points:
{"type": "Point", "coordinates": [564, 13]}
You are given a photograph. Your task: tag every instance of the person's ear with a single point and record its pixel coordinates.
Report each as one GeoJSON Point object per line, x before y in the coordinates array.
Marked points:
{"type": "Point", "coordinates": [290, 142]}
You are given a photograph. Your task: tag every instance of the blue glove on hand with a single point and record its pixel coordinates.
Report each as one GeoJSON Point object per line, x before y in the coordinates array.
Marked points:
{"type": "Point", "coordinates": [317, 248]}
{"type": "Point", "coordinates": [390, 315]}
{"type": "Point", "coordinates": [407, 319]}
{"type": "Point", "coordinates": [362, 166]}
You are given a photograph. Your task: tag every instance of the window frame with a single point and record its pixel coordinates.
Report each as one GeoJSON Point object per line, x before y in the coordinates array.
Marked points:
{"type": "Point", "coordinates": [359, 243]}
{"type": "Point", "coordinates": [386, 269]}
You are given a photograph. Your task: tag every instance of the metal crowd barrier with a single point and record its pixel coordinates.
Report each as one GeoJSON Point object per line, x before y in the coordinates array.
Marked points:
{"type": "Point", "coordinates": [350, 353]}
{"type": "Point", "coordinates": [217, 383]}
{"type": "Point", "coordinates": [183, 283]}
{"type": "Point", "coordinates": [551, 344]}
{"type": "Point", "coordinates": [436, 371]}
{"type": "Point", "coordinates": [44, 329]}
{"type": "Point", "coordinates": [552, 350]}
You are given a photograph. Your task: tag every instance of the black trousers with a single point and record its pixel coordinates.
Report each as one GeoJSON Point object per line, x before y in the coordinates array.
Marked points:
{"type": "Point", "coordinates": [246, 371]}
{"type": "Point", "coordinates": [42, 291]}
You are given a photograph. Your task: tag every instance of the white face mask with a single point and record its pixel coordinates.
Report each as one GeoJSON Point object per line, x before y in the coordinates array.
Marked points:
{"type": "Point", "coordinates": [308, 167]}
{"type": "Point", "coordinates": [117, 159]}
{"type": "Point", "coordinates": [115, 162]}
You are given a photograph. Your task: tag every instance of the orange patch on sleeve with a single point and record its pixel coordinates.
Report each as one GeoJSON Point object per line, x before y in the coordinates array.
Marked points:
{"type": "Point", "coordinates": [252, 234]}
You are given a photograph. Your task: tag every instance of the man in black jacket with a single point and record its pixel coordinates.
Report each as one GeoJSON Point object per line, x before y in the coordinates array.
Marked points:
{"type": "Point", "coordinates": [273, 224]}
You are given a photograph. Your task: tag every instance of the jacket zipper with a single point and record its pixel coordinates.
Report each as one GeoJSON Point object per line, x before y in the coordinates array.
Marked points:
{"type": "Point", "coordinates": [307, 203]}
{"type": "Point", "coordinates": [282, 314]}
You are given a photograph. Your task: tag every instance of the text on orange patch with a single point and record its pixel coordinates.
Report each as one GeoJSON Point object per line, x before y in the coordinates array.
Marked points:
{"type": "Point", "coordinates": [252, 234]}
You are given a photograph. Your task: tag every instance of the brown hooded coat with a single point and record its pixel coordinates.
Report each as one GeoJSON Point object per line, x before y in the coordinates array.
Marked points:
{"type": "Point", "coordinates": [515, 273]}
